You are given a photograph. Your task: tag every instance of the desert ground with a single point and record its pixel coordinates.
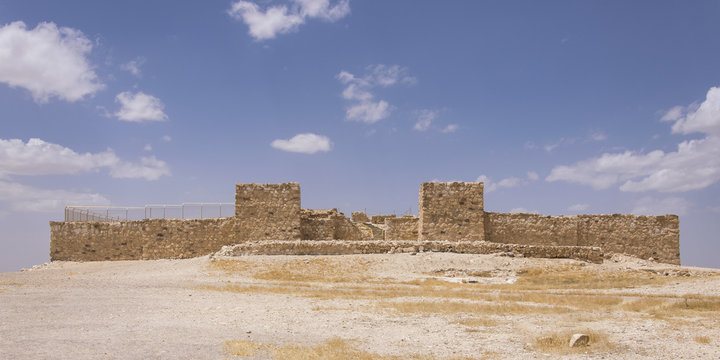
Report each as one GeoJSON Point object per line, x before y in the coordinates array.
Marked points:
{"type": "Point", "coordinates": [382, 306]}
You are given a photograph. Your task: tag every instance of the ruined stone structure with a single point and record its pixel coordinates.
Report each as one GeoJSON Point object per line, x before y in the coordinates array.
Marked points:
{"type": "Point", "coordinates": [269, 219]}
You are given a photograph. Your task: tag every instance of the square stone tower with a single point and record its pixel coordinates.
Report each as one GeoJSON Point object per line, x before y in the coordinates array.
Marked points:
{"type": "Point", "coordinates": [451, 211]}
{"type": "Point", "coordinates": [268, 211]}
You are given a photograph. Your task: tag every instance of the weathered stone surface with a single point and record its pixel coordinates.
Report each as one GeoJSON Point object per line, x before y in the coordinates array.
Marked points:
{"type": "Point", "coordinates": [578, 340]}
{"type": "Point", "coordinates": [329, 225]}
{"type": "Point", "coordinates": [448, 212]}
{"type": "Point", "coordinates": [144, 239]}
{"type": "Point", "coordinates": [451, 211]}
{"type": "Point", "coordinates": [359, 216]}
{"type": "Point", "coordinates": [268, 211]}
{"type": "Point", "coordinates": [531, 229]}
{"type": "Point", "coordinates": [641, 236]}
{"type": "Point", "coordinates": [380, 219]}
{"type": "Point", "coordinates": [404, 228]}
{"type": "Point", "coordinates": [343, 247]}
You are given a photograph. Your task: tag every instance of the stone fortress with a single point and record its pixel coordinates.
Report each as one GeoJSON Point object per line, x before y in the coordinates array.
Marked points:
{"type": "Point", "coordinates": [269, 220]}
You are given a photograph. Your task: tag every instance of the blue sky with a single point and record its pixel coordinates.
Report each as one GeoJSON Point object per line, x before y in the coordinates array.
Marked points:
{"type": "Point", "coordinates": [561, 107]}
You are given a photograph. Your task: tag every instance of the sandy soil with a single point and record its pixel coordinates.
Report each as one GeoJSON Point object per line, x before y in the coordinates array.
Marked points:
{"type": "Point", "coordinates": [382, 305]}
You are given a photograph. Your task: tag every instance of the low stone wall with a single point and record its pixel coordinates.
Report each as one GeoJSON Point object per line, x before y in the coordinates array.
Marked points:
{"type": "Point", "coordinates": [380, 219]}
{"type": "Point", "coordinates": [339, 247]}
{"type": "Point", "coordinates": [404, 228]}
{"type": "Point", "coordinates": [531, 229]}
{"type": "Point", "coordinates": [144, 239]}
{"type": "Point", "coordinates": [656, 237]}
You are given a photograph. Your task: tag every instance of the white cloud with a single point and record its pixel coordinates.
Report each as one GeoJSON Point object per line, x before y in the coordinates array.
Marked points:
{"type": "Point", "coordinates": [369, 112]}
{"type": "Point", "coordinates": [365, 108]}
{"type": "Point", "coordinates": [695, 164]}
{"type": "Point", "coordinates": [673, 114]}
{"type": "Point", "coordinates": [166, 138]}
{"type": "Point", "coordinates": [48, 61]}
{"type": "Point", "coordinates": [653, 206]}
{"type": "Point", "coordinates": [578, 207]}
{"type": "Point", "coordinates": [148, 147]}
{"type": "Point", "coordinates": [490, 186]}
{"type": "Point", "coordinates": [37, 157]}
{"type": "Point", "coordinates": [450, 128]}
{"type": "Point", "coordinates": [304, 143]}
{"type": "Point", "coordinates": [26, 198]}
{"type": "Point", "coordinates": [531, 175]}
{"type": "Point", "coordinates": [133, 66]}
{"type": "Point", "coordinates": [597, 136]}
{"type": "Point", "coordinates": [704, 118]}
{"type": "Point", "coordinates": [322, 9]}
{"type": "Point", "coordinates": [139, 107]}
{"type": "Point", "coordinates": [149, 168]}
{"type": "Point", "coordinates": [281, 19]}
{"type": "Point", "coordinates": [425, 118]}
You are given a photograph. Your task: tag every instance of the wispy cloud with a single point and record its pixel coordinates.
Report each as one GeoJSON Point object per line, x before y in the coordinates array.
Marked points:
{"type": "Point", "coordinates": [358, 90]}
{"type": "Point", "coordinates": [450, 128]}
{"type": "Point", "coordinates": [424, 119]}
{"type": "Point", "coordinates": [47, 61]}
{"type": "Point", "coordinates": [133, 66]}
{"type": "Point", "coordinates": [139, 107]}
{"type": "Point", "coordinates": [308, 143]}
{"type": "Point", "coordinates": [695, 164]}
{"type": "Point", "coordinates": [281, 19]}
{"type": "Point", "coordinates": [490, 185]}
{"type": "Point", "coordinates": [38, 157]}
{"type": "Point", "coordinates": [653, 206]}
{"type": "Point", "coordinates": [21, 197]}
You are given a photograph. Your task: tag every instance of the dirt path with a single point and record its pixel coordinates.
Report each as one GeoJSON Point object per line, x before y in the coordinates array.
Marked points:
{"type": "Point", "coordinates": [429, 305]}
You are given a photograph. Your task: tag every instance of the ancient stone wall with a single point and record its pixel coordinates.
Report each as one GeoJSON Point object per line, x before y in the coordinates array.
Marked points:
{"type": "Point", "coordinates": [329, 225]}
{"type": "Point", "coordinates": [656, 237]}
{"type": "Point", "coordinates": [645, 237]}
{"type": "Point", "coordinates": [380, 219]}
{"type": "Point", "coordinates": [344, 247]}
{"type": "Point", "coordinates": [359, 216]}
{"type": "Point", "coordinates": [451, 211]}
{"type": "Point", "coordinates": [531, 229]}
{"type": "Point", "coordinates": [404, 228]}
{"type": "Point", "coordinates": [268, 211]}
{"type": "Point", "coordinates": [144, 239]}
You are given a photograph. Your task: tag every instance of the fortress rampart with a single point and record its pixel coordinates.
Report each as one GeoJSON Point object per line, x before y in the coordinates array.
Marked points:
{"type": "Point", "coordinates": [449, 213]}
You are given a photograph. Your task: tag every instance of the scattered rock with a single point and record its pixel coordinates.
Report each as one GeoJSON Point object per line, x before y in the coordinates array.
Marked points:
{"type": "Point", "coordinates": [578, 340]}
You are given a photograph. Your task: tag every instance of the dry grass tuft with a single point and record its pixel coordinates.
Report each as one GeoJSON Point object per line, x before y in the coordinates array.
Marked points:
{"type": "Point", "coordinates": [579, 277]}
{"type": "Point", "coordinates": [559, 343]}
{"type": "Point", "coordinates": [333, 349]}
{"type": "Point", "coordinates": [308, 270]}
{"type": "Point", "coordinates": [242, 347]}
{"type": "Point", "coordinates": [231, 266]}
{"type": "Point", "coordinates": [315, 270]}
{"type": "Point", "coordinates": [456, 307]}
{"type": "Point", "coordinates": [702, 339]}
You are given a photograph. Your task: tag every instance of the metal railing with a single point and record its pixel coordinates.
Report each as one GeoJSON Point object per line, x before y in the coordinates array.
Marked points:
{"type": "Point", "coordinates": [157, 211]}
